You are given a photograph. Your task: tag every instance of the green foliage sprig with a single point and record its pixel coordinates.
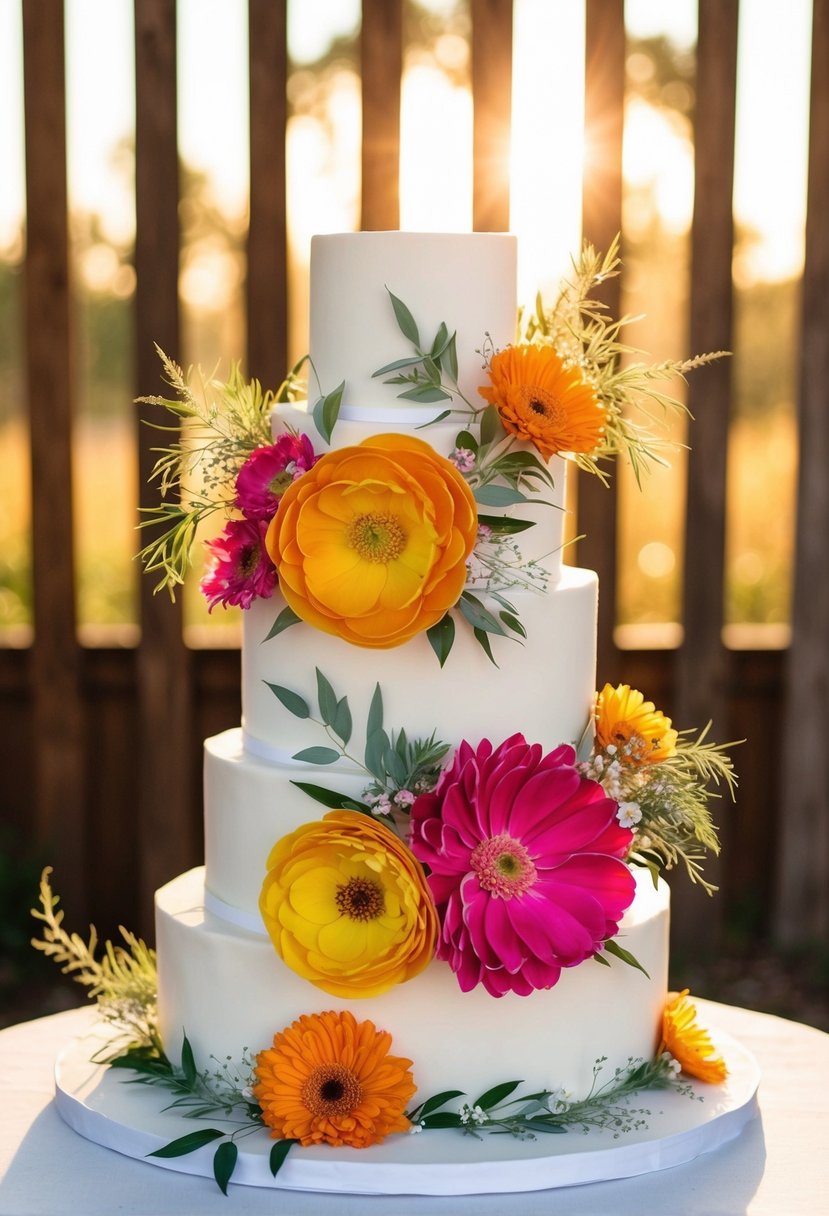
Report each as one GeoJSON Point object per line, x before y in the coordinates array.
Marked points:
{"type": "Point", "coordinates": [581, 331]}
{"type": "Point", "coordinates": [217, 425]}
{"type": "Point", "coordinates": [123, 980]}
{"type": "Point", "coordinates": [391, 761]}
{"type": "Point", "coordinates": [431, 373]}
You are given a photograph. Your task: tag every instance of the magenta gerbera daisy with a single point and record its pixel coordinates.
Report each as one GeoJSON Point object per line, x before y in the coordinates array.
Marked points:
{"type": "Point", "coordinates": [524, 855]}
{"type": "Point", "coordinates": [267, 473]}
{"type": "Point", "coordinates": [241, 569]}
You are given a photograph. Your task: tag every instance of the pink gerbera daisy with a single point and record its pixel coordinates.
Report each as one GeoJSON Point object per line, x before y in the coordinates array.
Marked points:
{"type": "Point", "coordinates": [242, 569]}
{"type": "Point", "coordinates": [267, 473]}
{"type": "Point", "coordinates": [524, 855]}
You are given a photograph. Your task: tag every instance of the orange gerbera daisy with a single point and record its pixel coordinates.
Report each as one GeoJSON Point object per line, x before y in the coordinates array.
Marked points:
{"type": "Point", "coordinates": [688, 1043]}
{"type": "Point", "coordinates": [626, 721]}
{"type": "Point", "coordinates": [329, 1079]}
{"type": "Point", "coordinates": [544, 402]}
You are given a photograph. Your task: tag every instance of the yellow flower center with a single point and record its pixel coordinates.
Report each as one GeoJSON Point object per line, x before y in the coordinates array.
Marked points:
{"type": "Point", "coordinates": [361, 899]}
{"type": "Point", "coordinates": [542, 402]}
{"type": "Point", "coordinates": [503, 866]}
{"type": "Point", "coordinates": [331, 1089]}
{"type": "Point", "coordinates": [377, 537]}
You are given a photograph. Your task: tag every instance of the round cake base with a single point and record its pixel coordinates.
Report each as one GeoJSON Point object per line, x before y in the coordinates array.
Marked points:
{"type": "Point", "coordinates": [103, 1105]}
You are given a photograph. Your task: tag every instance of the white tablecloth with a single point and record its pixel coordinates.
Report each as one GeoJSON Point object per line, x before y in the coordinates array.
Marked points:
{"type": "Point", "coordinates": [778, 1167]}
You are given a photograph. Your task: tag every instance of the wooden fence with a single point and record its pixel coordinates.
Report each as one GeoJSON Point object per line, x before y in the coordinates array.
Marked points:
{"type": "Point", "coordinates": [102, 770]}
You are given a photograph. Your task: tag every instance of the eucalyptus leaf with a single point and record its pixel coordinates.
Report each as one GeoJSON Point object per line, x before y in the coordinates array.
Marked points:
{"type": "Point", "coordinates": [491, 426]}
{"type": "Point", "coordinates": [377, 744]}
{"type": "Point", "coordinates": [342, 724]}
{"type": "Point", "coordinates": [189, 1143]}
{"type": "Point", "coordinates": [405, 320]}
{"type": "Point", "coordinates": [397, 365]}
{"type": "Point", "coordinates": [449, 359]}
{"type": "Point", "coordinates": [327, 411]}
{"type": "Point", "coordinates": [375, 712]}
{"type": "Point", "coordinates": [224, 1163]}
{"type": "Point", "coordinates": [497, 1094]}
{"type": "Point", "coordinates": [512, 622]}
{"type": "Point", "coordinates": [279, 1151]}
{"type": "Point", "coordinates": [329, 798]}
{"type": "Point", "coordinates": [327, 698]}
{"type": "Point", "coordinates": [395, 767]}
{"type": "Point", "coordinates": [441, 637]}
{"type": "Point", "coordinates": [440, 342]}
{"type": "Point", "coordinates": [425, 393]}
{"type": "Point", "coordinates": [286, 618]}
{"type": "Point", "coordinates": [611, 946]}
{"type": "Point", "coordinates": [482, 638]}
{"type": "Point", "coordinates": [293, 702]}
{"type": "Point", "coordinates": [438, 418]}
{"type": "Point", "coordinates": [498, 496]}
{"type": "Point", "coordinates": [317, 755]}
{"type": "Point", "coordinates": [479, 616]}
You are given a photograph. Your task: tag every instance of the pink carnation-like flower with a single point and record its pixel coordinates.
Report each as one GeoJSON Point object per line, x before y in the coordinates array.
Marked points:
{"type": "Point", "coordinates": [524, 855]}
{"type": "Point", "coordinates": [267, 473]}
{"type": "Point", "coordinates": [242, 569]}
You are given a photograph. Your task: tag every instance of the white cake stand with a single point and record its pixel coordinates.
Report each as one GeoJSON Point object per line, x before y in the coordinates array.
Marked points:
{"type": "Point", "coordinates": [103, 1105]}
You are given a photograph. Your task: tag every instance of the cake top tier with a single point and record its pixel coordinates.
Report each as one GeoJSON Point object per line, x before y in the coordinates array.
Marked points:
{"type": "Point", "coordinates": [467, 281]}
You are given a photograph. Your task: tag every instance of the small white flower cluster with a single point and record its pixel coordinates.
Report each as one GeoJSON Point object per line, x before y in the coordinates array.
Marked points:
{"type": "Point", "coordinates": [472, 1114]}
{"type": "Point", "coordinates": [559, 1100]}
{"type": "Point", "coordinates": [629, 814]}
{"type": "Point", "coordinates": [415, 1129]}
{"type": "Point", "coordinates": [497, 564]}
{"type": "Point", "coordinates": [383, 804]}
{"type": "Point", "coordinates": [671, 1065]}
{"type": "Point", "coordinates": [608, 773]}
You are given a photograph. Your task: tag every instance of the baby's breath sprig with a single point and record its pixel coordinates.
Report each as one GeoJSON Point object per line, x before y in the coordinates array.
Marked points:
{"type": "Point", "coordinates": [581, 331]}
{"type": "Point", "coordinates": [122, 981]}
{"type": "Point", "coordinates": [217, 425]}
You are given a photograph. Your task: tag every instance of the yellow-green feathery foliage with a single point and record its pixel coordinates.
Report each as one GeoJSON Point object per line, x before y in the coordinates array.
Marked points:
{"type": "Point", "coordinates": [123, 981]}
{"type": "Point", "coordinates": [216, 424]}
{"type": "Point", "coordinates": [583, 334]}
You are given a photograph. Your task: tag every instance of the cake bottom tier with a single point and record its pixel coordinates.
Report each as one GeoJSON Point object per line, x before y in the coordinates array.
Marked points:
{"type": "Point", "coordinates": [228, 991]}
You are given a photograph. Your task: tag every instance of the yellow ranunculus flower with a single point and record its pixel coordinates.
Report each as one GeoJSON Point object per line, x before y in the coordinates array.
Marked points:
{"type": "Point", "coordinates": [347, 906]}
{"type": "Point", "coordinates": [371, 543]}
{"type": "Point", "coordinates": [639, 731]}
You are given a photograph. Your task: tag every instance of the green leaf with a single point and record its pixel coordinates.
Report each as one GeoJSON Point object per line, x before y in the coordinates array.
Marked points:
{"type": "Point", "coordinates": [293, 702]}
{"type": "Point", "coordinates": [395, 767]}
{"type": "Point", "coordinates": [317, 755]}
{"type": "Point", "coordinates": [329, 798]}
{"type": "Point", "coordinates": [188, 1062]}
{"type": "Point", "coordinates": [327, 411]}
{"type": "Point", "coordinates": [441, 637]}
{"type": "Point", "coordinates": [491, 427]}
{"type": "Point", "coordinates": [600, 958]}
{"type": "Point", "coordinates": [443, 1118]}
{"type": "Point", "coordinates": [327, 698]}
{"type": "Point", "coordinates": [189, 1143]}
{"type": "Point", "coordinates": [498, 496]}
{"type": "Point", "coordinates": [437, 1100]}
{"type": "Point", "coordinates": [482, 639]}
{"type": "Point", "coordinates": [503, 524]}
{"type": "Point", "coordinates": [478, 616]}
{"type": "Point", "coordinates": [375, 712]}
{"type": "Point", "coordinates": [432, 421]}
{"type": "Point", "coordinates": [431, 371]}
{"type": "Point", "coordinates": [449, 359]}
{"type": "Point", "coordinates": [342, 724]}
{"type": "Point", "coordinates": [377, 745]}
{"type": "Point", "coordinates": [224, 1163]}
{"type": "Point", "coordinates": [512, 622]}
{"type": "Point", "coordinates": [441, 341]}
{"type": "Point", "coordinates": [152, 1066]}
{"type": "Point", "coordinates": [279, 1151]}
{"type": "Point", "coordinates": [425, 393]}
{"type": "Point", "coordinates": [405, 320]}
{"type": "Point", "coordinates": [467, 441]}
{"type": "Point", "coordinates": [492, 1097]}
{"type": "Point", "coordinates": [286, 618]}
{"type": "Point", "coordinates": [612, 947]}
{"type": "Point", "coordinates": [412, 361]}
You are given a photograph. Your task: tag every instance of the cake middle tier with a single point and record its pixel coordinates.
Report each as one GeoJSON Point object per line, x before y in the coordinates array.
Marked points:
{"type": "Point", "coordinates": [543, 687]}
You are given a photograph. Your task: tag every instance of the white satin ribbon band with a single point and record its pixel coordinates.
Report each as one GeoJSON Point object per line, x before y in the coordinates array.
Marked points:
{"type": "Point", "coordinates": [236, 916]}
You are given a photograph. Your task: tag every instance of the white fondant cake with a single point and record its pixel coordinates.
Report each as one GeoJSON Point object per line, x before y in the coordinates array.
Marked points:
{"type": "Point", "coordinates": [219, 976]}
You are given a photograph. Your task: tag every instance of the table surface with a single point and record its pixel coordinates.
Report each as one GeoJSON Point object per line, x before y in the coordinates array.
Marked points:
{"type": "Point", "coordinates": [779, 1166]}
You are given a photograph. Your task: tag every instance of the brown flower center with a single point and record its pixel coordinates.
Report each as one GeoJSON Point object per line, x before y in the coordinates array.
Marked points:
{"type": "Point", "coordinates": [361, 899]}
{"type": "Point", "coordinates": [539, 401]}
{"type": "Point", "coordinates": [503, 866]}
{"type": "Point", "coordinates": [377, 537]}
{"type": "Point", "coordinates": [331, 1089]}
{"type": "Point", "coordinates": [632, 746]}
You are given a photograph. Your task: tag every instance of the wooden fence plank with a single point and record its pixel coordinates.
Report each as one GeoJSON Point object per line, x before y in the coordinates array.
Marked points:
{"type": "Point", "coordinates": [381, 56]}
{"type": "Point", "coordinates": [167, 840]}
{"type": "Point", "coordinates": [267, 270]}
{"type": "Point", "coordinates": [703, 662]}
{"type": "Point", "coordinates": [492, 113]}
{"type": "Point", "coordinates": [803, 888]}
{"type": "Point", "coordinates": [57, 719]}
{"type": "Point", "coordinates": [601, 223]}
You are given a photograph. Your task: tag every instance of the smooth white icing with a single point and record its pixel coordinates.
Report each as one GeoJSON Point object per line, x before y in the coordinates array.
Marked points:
{"type": "Point", "coordinates": [227, 988]}
{"type": "Point", "coordinates": [466, 280]}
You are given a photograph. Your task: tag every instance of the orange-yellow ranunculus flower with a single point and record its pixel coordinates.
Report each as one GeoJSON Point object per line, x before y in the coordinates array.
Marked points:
{"type": "Point", "coordinates": [347, 905]}
{"type": "Point", "coordinates": [640, 732]}
{"type": "Point", "coordinates": [329, 1079]}
{"type": "Point", "coordinates": [688, 1043]}
{"type": "Point", "coordinates": [544, 401]}
{"type": "Point", "coordinates": [371, 543]}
